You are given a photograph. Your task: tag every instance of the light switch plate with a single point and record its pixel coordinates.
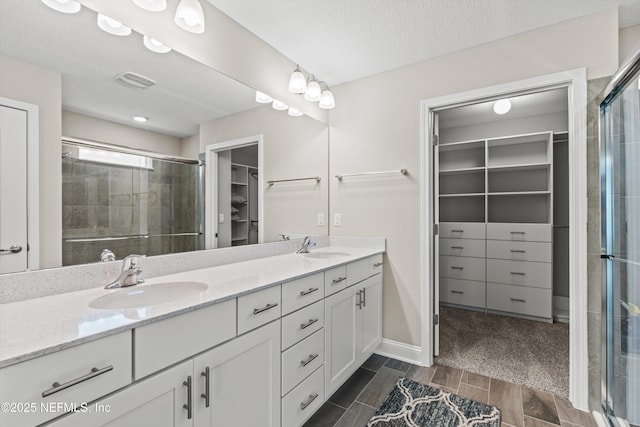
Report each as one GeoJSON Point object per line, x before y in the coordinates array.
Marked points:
{"type": "Point", "coordinates": [221, 218]}
{"type": "Point", "coordinates": [337, 220]}
{"type": "Point", "coordinates": [320, 219]}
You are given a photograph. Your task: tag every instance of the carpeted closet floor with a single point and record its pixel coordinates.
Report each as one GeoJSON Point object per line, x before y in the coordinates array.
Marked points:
{"type": "Point", "coordinates": [535, 354]}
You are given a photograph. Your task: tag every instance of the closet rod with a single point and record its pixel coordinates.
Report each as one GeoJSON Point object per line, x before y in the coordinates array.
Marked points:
{"type": "Point", "coordinates": [273, 181]}
{"type": "Point", "coordinates": [344, 175]}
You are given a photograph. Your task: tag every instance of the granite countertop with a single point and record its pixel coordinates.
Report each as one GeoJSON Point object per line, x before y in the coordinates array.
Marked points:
{"type": "Point", "coordinates": [39, 326]}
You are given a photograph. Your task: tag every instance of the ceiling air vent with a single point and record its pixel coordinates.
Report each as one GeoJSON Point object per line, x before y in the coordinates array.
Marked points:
{"type": "Point", "coordinates": [134, 80]}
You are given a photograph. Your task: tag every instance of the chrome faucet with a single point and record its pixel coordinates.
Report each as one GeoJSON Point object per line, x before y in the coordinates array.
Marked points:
{"type": "Point", "coordinates": [107, 255]}
{"type": "Point", "coordinates": [306, 245]}
{"type": "Point", "coordinates": [129, 275]}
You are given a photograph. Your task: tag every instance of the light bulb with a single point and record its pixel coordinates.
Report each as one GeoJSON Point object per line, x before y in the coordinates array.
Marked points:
{"type": "Point", "coordinates": [64, 6]}
{"type": "Point", "coordinates": [294, 112]}
{"type": "Point", "coordinates": [502, 106]}
{"type": "Point", "coordinates": [279, 105]}
{"type": "Point", "coordinates": [140, 119]}
{"type": "Point", "coordinates": [151, 5]}
{"type": "Point", "coordinates": [263, 98]}
{"type": "Point", "coordinates": [313, 93]}
{"type": "Point", "coordinates": [154, 45]}
{"type": "Point", "coordinates": [297, 82]}
{"type": "Point", "coordinates": [327, 101]}
{"type": "Point", "coordinates": [112, 26]}
{"type": "Point", "coordinates": [189, 16]}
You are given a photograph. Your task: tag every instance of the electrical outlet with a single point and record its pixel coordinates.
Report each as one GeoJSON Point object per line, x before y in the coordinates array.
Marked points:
{"type": "Point", "coordinates": [320, 219]}
{"type": "Point", "coordinates": [221, 218]}
{"type": "Point", "coordinates": [337, 220]}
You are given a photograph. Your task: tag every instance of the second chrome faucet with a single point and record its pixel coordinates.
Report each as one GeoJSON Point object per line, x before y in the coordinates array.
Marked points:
{"type": "Point", "coordinates": [130, 274]}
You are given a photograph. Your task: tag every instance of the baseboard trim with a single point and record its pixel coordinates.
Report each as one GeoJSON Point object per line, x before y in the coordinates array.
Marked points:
{"type": "Point", "coordinates": [400, 351]}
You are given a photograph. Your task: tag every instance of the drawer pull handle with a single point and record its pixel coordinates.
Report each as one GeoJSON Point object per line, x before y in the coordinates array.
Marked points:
{"type": "Point", "coordinates": [457, 268]}
{"type": "Point", "coordinates": [518, 251]}
{"type": "Point", "coordinates": [377, 264]}
{"type": "Point", "coordinates": [309, 323]}
{"type": "Point", "coordinates": [206, 395]}
{"type": "Point", "coordinates": [364, 297]}
{"type": "Point", "coordinates": [307, 402]}
{"type": "Point", "coordinates": [518, 232]}
{"type": "Point", "coordinates": [311, 358]}
{"type": "Point", "coordinates": [457, 247]}
{"type": "Point", "coordinates": [307, 292]}
{"type": "Point", "coordinates": [56, 387]}
{"type": "Point", "coordinates": [518, 300]}
{"type": "Point", "coordinates": [457, 292]}
{"type": "Point", "coordinates": [457, 231]}
{"type": "Point", "coordinates": [338, 280]}
{"type": "Point", "coordinates": [517, 273]}
{"type": "Point", "coordinates": [265, 308]}
{"type": "Point", "coordinates": [189, 405]}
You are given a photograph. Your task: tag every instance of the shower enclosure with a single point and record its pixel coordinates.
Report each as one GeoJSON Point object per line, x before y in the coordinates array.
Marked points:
{"type": "Point", "coordinates": [620, 233]}
{"type": "Point", "coordinates": [126, 202]}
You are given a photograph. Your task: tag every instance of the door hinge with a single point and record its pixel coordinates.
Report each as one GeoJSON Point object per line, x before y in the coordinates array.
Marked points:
{"type": "Point", "coordinates": [435, 229]}
{"type": "Point", "coordinates": [436, 319]}
{"type": "Point", "coordinates": [435, 139]}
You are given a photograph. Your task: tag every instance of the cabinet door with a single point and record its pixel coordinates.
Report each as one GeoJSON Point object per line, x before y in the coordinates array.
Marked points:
{"type": "Point", "coordinates": [369, 317]}
{"type": "Point", "coordinates": [341, 355]}
{"type": "Point", "coordinates": [157, 401]}
{"type": "Point", "coordinates": [243, 381]}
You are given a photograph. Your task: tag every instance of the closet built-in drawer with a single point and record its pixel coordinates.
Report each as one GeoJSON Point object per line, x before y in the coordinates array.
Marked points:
{"type": "Point", "coordinates": [463, 292]}
{"type": "Point", "coordinates": [520, 232]}
{"type": "Point", "coordinates": [299, 325]}
{"type": "Point", "coordinates": [335, 280]}
{"type": "Point", "coordinates": [462, 268]}
{"type": "Point", "coordinates": [462, 230]}
{"type": "Point", "coordinates": [301, 360]}
{"type": "Point", "coordinates": [258, 308]}
{"type": "Point", "coordinates": [163, 343]}
{"type": "Point", "coordinates": [304, 400]}
{"type": "Point", "coordinates": [462, 247]}
{"type": "Point", "coordinates": [523, 273]}
{"type": "Point", "coordinates": [302, 292]}
{"type": "Point", "coordinates": [357, 271]}
{"type": "Point", "coordinates": [519, 299]}
{"type": "Point", "coordinates": [33, 391]}
{"type": "Point", "coordinates": [519, 251]}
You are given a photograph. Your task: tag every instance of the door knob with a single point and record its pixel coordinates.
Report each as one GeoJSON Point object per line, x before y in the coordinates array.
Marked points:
{"type": "Point", "coordinates": [14, 249]}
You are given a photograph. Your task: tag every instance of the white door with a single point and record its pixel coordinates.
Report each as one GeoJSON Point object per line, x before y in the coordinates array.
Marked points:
{"type": "Point", "coordinates": [341, 351]}
{"type": "Point", "coordinates": [13, 189]}
{"type": "Point", "coordinates": [370, 316]}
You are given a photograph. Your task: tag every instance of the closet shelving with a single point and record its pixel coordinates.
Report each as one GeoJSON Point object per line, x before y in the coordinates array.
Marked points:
{"type": "Point", "coordinates": [239, 204]}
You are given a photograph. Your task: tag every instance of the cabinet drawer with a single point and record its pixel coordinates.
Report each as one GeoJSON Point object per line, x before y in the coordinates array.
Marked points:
{"type": "Point", "coordinates": [359, 270]}
{"type": "Point", "coordinates": [258, 308]}
{"type": "Point", "coordinates": [301, 292]}
{"type": "Point", "coordinates": [462, 230]}
{"type": "Point", "coordinates": [521, 232]}
{"type": "Point", "coordinates": [335, 280]}
{"type": "Point", "coordinates": [301, 360]}
{"type": "Point", "coordinates": [519, 251]}
{"type": "Point", "coordinates": [462, 247]}
{"type": "Point", "coordinates": [464, 292]}
{"type": "Point", "coordinates": [168, 341]}
{"type": "Point", "coordinates": [519, 299]}
{"type": "Point", "coordinates": [72, 376]}
{"type": "Point", "coordinates": [462, 268]}
{"type": "Point", "coordinates": [523, 273]}
{"type": "Point", "coordinates": [376, 264]}
{"type": "Point", "coordinates": [299, 325]}
{"type": "Point", "coordinates": [304, 400]}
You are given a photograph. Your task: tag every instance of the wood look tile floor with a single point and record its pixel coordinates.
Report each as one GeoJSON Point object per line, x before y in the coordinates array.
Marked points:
{"type": "Point", "coordinates": [357, 400]}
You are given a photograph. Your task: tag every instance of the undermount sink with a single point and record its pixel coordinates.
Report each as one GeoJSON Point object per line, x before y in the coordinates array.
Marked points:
{"type": "Point", "coordinates": [144, 296]}
{"type": "Point", "coordinates": [325, 254]}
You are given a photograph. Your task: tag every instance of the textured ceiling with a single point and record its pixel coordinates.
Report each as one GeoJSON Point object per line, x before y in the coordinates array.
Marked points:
{"type": "Point", "coordinates": [344, 40]}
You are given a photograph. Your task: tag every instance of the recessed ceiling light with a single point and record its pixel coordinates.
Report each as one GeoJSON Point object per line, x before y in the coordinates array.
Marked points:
{"type": "Point", "coordinates": [279, 105]}
{"type": "Point", "coordinates": [140, 119]}
{"type": "Point", "coordinates": [154, 45]}
{"type": "Point", "coordinates": [112, 26]}
{"type": "Point", "coordinates": [263, 98]}
{"type": "Point", "coordinates": [502, 106]}
{"type": "Point", "coordinates": [151, 5]}
{"type": "Point", "coordinates": [64, 6]}
{"type": "Point", "coordinates": [189, 16]}
{"type": "Point", "coordinates": [294, 112]}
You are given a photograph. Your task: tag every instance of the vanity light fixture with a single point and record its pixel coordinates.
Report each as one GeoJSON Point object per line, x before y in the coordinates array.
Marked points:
{"type": "Point", "coordinates": [140, 119]}
{"type": "Point", "coordinates": [294, 112]}
{"type": "Point", "coordinates": [151, 5]}
{"type": "Point", "coordinates": [154, 45]}
{"type": "Point", "coordinates": [263, 98]}
{"type": "Point", "coordinates": [327, 101]}
{"type": "Point", "coordinates": [297, 81]}
{"type": "Point", "coordinates": [112, 26]}
{"type": "Point", "coordinates": [64, 6]}
{"type": "Point", "coordinates": [190, 17]}
{"type": "Point", "coordinates": [279, 105]}
{"type": "Point", "coordinates": [502, 106]}
{"type": "Point", "coordinates": [313, 92]}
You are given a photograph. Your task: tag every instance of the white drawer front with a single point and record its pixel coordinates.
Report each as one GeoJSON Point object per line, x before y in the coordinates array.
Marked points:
{"type": "Point", "coordinates": [335, 280]}
{"type": "Point", "coordinates": [357, 271]}
{"type": "Point", "coordinates": [160, 344]}
{"type": "Point", "coordinates": [519, 299]}
{"type": "Point", "coordinates": [462, 268]}
{"type": "Point", "coordinates": [520, 232]}
{"type": "Point", "coordinates": [376, 264]}
{"type": "Point", "coordinates": [523, 273]}
{"type": "Point", "coordinates": [462, 247]}
{"type": "Point", "coordinates": [462, 230]}
{"type": "Point", "coordinates": [82, 374]}
{"type": "Point", "coordinates": [519, 251]}
{"type": "Point", "coordinates": [463, 292]}
{"type": "Point", "coordinates": [301, 292]}
{"type": "Point", "coordinates": [301, 360]}
{"type": "Point", "coordinates": [258, 308]}
{"type": "Point", "coordinates": [302, 323]}
{"type": "Point", "coordinates": [304, 400]}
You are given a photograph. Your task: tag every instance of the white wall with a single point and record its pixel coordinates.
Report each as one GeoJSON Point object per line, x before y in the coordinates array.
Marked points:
{"type": "Point", "coordinates": [190, 146]}
{"type": "Point", "coordinates": [43, 87]}
{"type": "Point", "coordinates": [376, 126]}
{"type": "Point", "coordinates": [629, 39]}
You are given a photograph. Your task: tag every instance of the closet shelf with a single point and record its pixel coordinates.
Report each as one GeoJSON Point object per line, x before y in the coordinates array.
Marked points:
{"type": "Point", "coordinates": [519, 167]}
{"type": "Point", "coordinates": [519, 193]}
{"type": "Point", "coordinates": [463, 195]}
{"type": "Point", "coordinates": [238, 220]}
{"type": "Point", "coordinates": [239, 183]}
{"type": "Point", "coordinates": [462, 171]}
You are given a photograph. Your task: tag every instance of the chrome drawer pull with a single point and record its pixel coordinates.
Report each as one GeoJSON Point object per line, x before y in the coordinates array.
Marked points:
{"type": "Point", "coordinates": [518, 251]}
{"type": "Point", "coordinates": [518, 232]}
{"type": "Point", "coordinates": [517, 273]}
{"type": "Point", "coordinates": [265, 308]}
{"type": "Point", "coordinates": [206, 395]}
{"type": "Point", "coordinates": [56, 387]}
{"type": "Point", "coordinates": [359, 303]}
{"type": "Point", "coordinates": [309, 323]}
{"type": "Point", "coordinates": [457, 268]}
{"type": "Point", "coordinates": [311, 358]}
{"type": "Point", "coordinates": [189, 405]}
{"type": "Point", "coordinates": [457, 231]}
{"type": "Point", "coordinates": [307, 292]}
{"type": "Point", "coordinates": [338, 280]}
{"type": "Point", "coordinates": [364, 297]}
{"type": "Point", "coordinates": [457, 247]}
{"type": "Point", "coordinates": [307, 402]}
{"type": "Point", "coordinates": [457, 292]}
{"type": "Point", "coordinates": [377, 264]}
{"type": "Point", "coordinates": [518, 300]}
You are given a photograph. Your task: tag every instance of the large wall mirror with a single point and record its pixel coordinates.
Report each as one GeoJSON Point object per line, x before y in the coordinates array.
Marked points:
{"type": "Point", "coordinates": [116, 194]}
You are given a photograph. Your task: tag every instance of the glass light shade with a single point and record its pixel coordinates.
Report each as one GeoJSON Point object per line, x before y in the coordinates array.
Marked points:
{"type": "Point", "coordinates": [190, 17]}
{"type": "Point", "coordinates": [140, 119]}
{"type": "Point", "coordinates": [154, 45]}
{"type": "Point", "coordinates": [112, 26]}
{"type": "Point", "coordinates": [64, 6]}
{"type": "Point", "coordinates": [151, 5]}
{"type": "Point", "coordinates": [263, 98]}
{"type": "Point", "coordinates": [279, 105]}
{"type": "Point", "coordinates": [297, 82]}
{"type": "Point", "coordinates": [327, 101]}
{"type": "Point", "coordinates": [502, 106]}
{"type": "Point", "coordinates": [313, 93]}
{"type": "Point", "coordinates": [294, 112]}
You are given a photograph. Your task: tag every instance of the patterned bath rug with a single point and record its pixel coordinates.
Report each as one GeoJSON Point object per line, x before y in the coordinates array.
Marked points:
{"type": "Point", "coordinates": [411, 404]}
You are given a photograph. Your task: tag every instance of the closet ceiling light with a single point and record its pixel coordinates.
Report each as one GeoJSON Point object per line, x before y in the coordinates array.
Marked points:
{"type": "Point", "coordinates": [64, 6]}
{"type": "Point", "coordinates": [327, 101]}
{"type": "Point", "coordinates": [263, 98]}
{"type": "Point", "coordinates": [313, 93]}
{"type": "Point", "coordinates": [112, 26]}
{"type": "Point", "coordinates": [190, 17]}
{"type": "Point", "coordinates": [140, 119]}
{"type": "Point", "coordinates": [502, 106]}
{"type": "Point", "coordinates": [294, 112]}
{"type": "Point", "coordinates": [279, 105]}
{"type": "Point", "coordinates": [151, 5]}
{"type": "Point", "coordinates": [297, 81]}
{"type": "Point", "coordinates": [154, 45]}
